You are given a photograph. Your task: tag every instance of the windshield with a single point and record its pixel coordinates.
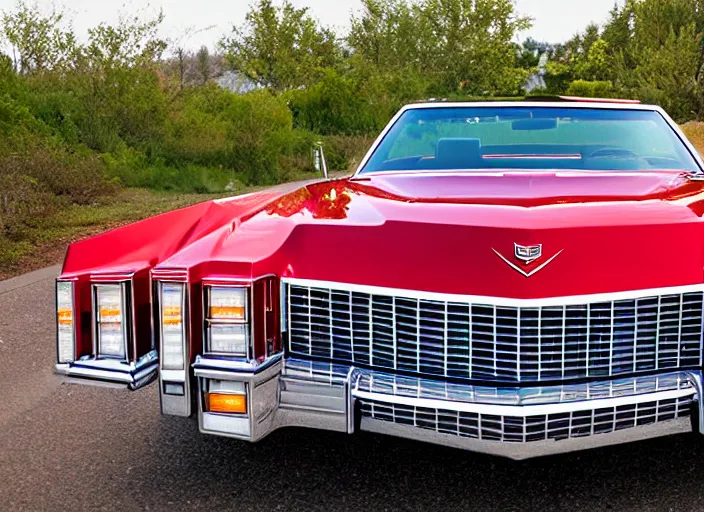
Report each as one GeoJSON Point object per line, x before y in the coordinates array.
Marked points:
{"type": "Point", "coordinates": [466, 138]}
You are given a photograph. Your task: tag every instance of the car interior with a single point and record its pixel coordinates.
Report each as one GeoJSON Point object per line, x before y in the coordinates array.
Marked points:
{"type": "Point", "coordinates": [468, 153]}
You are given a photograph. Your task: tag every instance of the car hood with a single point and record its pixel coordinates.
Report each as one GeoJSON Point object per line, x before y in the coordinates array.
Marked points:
{"type": "Point", "coordinates": [598, 232]}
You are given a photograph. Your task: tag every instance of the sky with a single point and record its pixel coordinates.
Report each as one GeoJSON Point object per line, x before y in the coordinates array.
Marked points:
{"type": "Point", "coordinates": [206, 21]}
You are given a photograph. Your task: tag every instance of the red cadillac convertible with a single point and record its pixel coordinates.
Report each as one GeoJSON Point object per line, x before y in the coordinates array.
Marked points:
{"type": "Point", "coordinates": [515, 278]}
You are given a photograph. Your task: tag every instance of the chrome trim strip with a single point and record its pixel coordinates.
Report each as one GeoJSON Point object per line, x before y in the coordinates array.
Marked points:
{"type": "Point", "coordinates": [568, 300]}
{"type": "Point", "coordinates": [240, 364]}
{"type": "Point", "coordinates": [116, 277]}
{"type": "Point", "coordinates": [178, 275]}
{"type": "Point", "coordinates": [385, 383]}
{"type": "Point", "coordinates": [522, 410]}
{"type": "Point", "coordinates": [520, 270]}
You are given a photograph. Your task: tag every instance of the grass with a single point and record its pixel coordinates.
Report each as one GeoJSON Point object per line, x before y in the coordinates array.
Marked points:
{"type": "Point", "coordinates": [694, 130]}
{"type": "Point", "coordinates": [45, 243]}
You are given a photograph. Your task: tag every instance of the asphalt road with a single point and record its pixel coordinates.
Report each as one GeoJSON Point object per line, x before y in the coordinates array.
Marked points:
{"type": "Point", "coordinates": [69, 447]}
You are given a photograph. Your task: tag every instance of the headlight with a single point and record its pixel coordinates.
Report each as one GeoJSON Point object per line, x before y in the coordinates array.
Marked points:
{"type": "Point", "coordinates": [227, 320]}
{"type": "Point", "coordinates": [229, 339]}
{"type": "Point", "coordinates": [111, 323]}
{"type": "Point", "coordinates": [228, 304]}
{"type": "Point", "coordinates": [173, 333]}
{"type": "Point", "coordinates": [65, 329]}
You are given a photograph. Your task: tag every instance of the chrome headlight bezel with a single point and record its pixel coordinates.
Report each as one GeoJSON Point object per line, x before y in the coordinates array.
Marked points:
{"type": "Point", "coordinates": [125, 301]}
{"type": "Point", "coordinates": [71, 291]}
{"type": "Point", "coordinates": [181, 327]}
{"type": "Point", "coordinates": [244, 300]}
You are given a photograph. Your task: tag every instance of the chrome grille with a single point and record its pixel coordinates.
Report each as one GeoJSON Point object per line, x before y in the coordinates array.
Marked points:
{"type": "Point", "coordinates": [518, 429]}
{"type": "Point", "coordinates": [492, 342]}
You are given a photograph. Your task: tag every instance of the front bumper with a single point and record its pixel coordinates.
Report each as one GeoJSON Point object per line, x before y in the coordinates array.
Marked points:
{"type": "Point", "coordinates": [518, 423]}
{"type": "Point", "coordinates": [112, 373]}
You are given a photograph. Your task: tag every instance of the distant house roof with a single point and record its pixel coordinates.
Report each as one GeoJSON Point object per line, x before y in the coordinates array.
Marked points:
{"type": "Point", "coordinates": [236, 82]}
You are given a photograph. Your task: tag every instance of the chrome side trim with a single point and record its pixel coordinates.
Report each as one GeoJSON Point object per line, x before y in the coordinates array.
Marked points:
{"type": "Point", "coordinates": [134, 375]}
{"type": "Point", "coordinates": [568, 300]}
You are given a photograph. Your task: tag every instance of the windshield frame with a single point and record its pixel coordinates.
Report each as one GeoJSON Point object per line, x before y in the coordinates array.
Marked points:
{"type": "Point", "coordinates": [527, 104]}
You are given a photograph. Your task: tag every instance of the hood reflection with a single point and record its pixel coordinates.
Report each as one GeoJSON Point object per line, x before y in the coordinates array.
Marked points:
{"type": "Point", "coordinates": [327, 200]}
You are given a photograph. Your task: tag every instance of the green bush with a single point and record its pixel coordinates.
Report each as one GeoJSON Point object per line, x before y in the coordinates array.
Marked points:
{"type": "Point", "coordinates": [249, 135]}
{"type": "Point", "coordinates": [23, 199]}
{"type": "Point", "coordinates": [333, 106]}
{"type": "Point", "coordinates": [359, 104]}
{"type": "Point", "coordinates": [133, 169]}
{"type": "Point", "coordinates": [74, 175]}
{"type": "Point", "coordinates": [591, 89]}
{"type": "Point", "coordinates": [344, 153]}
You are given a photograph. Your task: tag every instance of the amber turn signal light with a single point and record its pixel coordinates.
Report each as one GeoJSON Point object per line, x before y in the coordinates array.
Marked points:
{"type": "Point", "coordinates": [226, 403]}
{"type": "Point", "coordinates": [227, 312]}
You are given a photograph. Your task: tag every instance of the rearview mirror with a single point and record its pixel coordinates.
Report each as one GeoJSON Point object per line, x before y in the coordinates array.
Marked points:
{"type": "Point", "coordinates": [534, 124]}
{"type": "Point", "coordinates": [319, 162]}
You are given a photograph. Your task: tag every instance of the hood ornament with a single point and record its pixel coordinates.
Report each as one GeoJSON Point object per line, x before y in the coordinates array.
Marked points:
{"type": "Point", "coordinates": [527, 254]}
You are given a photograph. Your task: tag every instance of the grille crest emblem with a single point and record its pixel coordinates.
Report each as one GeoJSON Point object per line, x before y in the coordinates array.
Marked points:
{"type": "Point", "coordinates": [527, 254]}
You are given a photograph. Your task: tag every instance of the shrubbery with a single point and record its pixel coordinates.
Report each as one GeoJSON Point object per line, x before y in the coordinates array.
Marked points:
{"type": "Point", "coordinates": [246, 134]}
{"type": "Point", "coordinates": [335, 106]}
{"type": "Point", "coordinates": [591, 89]}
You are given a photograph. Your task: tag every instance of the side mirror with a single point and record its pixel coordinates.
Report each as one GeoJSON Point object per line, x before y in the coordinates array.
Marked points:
{"type": "Point", "coordinates": [319, 162]}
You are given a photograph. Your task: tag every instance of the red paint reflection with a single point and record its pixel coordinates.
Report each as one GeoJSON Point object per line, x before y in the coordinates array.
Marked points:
{"type": "Point", "coordinates": [327, 200]}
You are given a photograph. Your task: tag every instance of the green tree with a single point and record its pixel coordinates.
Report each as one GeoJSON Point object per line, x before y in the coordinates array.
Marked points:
{"type": "Point", "coordinates": [204, 67]}
{"type": "Point", "coordinates": [654, 51]}
{"type": "Point", "coordinates": [281, 47]}
{"type": "Point", "coordinates": [530, 51]}
{"type": "Point", "coordinates": [462, 45]}
{"type": "Point", "coordinates": [389, 35]}
{"type": "Point", "coordinates": [667, 74]}
{"type": "Point", "coordinates": [596, 65]}
{"type": "Point", "coordinates": [39, 42]}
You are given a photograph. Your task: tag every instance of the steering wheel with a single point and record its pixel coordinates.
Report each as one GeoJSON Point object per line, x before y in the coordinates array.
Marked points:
{"type": "Point", "coordinates": [614, 153]}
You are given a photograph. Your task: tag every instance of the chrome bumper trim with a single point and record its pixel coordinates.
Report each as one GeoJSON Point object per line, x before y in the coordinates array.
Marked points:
{"type": "Point", "coordinates": [522, 451]}
{"type": "Point", "coordinates": [523, 410]}
{"type": "Point", "coordinates": [309, 394]}
{"type": "Point", "coordinates": [134, 375]}
{"type": "Point", "coordinates": [204, 363]}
